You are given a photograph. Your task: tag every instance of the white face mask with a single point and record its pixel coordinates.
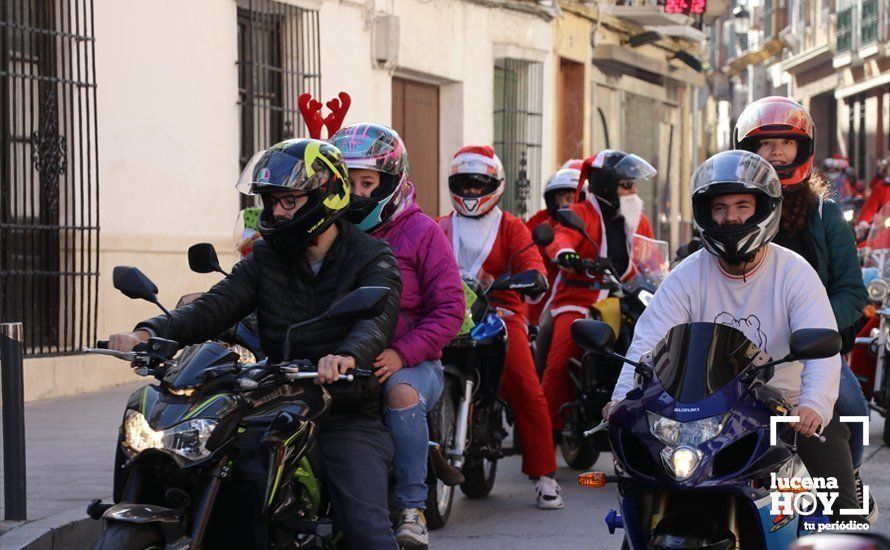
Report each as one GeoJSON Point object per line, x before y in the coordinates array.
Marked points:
{"type": "Point", "coordinates": [631, 207]}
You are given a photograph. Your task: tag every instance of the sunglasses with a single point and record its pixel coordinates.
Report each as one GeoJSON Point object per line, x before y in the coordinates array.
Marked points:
{"type": "Point", "coordinates": [627, 184]}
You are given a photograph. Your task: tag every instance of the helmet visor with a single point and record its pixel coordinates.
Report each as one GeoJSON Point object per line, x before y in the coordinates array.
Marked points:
{"type": "Point", "coordinates": [745, 170]}
{"type": "Point", "coordinates": [274, 170]}
{"type": "Point", "coordinates": [634, 171]}
{"type": "Point", "coordinates": [467, 185]}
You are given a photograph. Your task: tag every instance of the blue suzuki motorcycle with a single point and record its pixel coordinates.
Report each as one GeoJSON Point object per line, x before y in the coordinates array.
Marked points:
{"type": "Point", "coordinates": [691, 441]}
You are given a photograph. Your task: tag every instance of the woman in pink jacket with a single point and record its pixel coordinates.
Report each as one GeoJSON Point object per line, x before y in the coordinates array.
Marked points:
{"type": "Point", "coordinates": [432, 308]}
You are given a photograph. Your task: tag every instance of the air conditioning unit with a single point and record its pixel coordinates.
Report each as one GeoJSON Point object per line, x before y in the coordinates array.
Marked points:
{"type": "Point", "coordinates": [386, 40]}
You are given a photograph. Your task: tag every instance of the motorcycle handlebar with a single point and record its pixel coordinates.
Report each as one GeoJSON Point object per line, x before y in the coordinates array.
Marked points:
{"type": "Point", "coordinates": [102, 344]}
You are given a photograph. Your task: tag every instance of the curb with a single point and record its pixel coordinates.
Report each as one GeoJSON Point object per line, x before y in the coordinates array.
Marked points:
{"type": "Point", "coordinates": [66, 530]}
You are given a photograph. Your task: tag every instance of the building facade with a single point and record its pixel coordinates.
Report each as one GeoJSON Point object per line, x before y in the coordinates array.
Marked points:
{"type": "Point", "coordinates": [129, 122]}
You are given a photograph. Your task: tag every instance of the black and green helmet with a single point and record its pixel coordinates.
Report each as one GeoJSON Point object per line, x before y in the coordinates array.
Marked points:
{"type": "Point", "coordinates": [311, 166]}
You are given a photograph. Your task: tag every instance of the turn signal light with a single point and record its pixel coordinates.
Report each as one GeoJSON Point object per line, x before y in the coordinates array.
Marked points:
{"type": "Point", "coordinates": [592, 479]}
{"type": "Point", "coordinates": [869, 311]}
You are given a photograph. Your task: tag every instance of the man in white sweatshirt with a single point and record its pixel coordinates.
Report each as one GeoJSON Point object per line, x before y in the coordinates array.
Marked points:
{"type": "Point", "coordinates": [742, 280]}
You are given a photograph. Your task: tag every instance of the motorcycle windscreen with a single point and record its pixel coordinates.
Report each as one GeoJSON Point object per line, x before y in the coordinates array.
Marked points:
{"type": "Point", "coordinates": [695, 360]}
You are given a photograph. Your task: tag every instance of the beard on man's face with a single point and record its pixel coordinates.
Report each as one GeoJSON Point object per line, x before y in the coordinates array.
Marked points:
{"type": "Point", "coordinates": [730, 223]}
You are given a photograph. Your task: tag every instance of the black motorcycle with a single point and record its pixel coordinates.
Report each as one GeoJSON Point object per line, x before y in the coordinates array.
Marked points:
{"type": "Point", "coordinates": [219, 453]}
{"type": "Point", "coordinates": [471, 404]}
{"type": "Point", "coordinates": [594, 376]}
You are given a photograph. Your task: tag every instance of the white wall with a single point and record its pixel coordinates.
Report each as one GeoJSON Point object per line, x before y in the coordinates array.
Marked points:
{"type": "Point", "coordinates": [168, 128]}
{"type": "Point", "coordinates": [451, 44]}
{"type": "Point", "coordinates": [168, 116]}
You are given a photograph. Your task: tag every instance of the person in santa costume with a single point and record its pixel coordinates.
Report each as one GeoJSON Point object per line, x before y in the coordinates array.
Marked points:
{"type": "Point", "coordinates": [559, 192]}
{"type": "Point", "coordinates": [488, 243]}
{"type": "Point", "coordinates": [612, 213]}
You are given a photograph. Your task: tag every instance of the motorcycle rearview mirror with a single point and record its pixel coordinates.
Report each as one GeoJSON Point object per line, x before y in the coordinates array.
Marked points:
{"type": "Point", "coordinates": [815, 343]}
{"type": "Point", "coordinates": [598, 337]}
{"type": "Point", "coordinates": [364, 302]}
{"type": "Point", "coordinates": [203, 259]}
{"type": "Point", "coordinates": [592, 335]}
{"type": "Point", "coordinates": [570, 219]}
{"type": "Point", "coordinates": [808, 343]}
{"type": "Point", "coordinates": [135, 285]}
{"type": "Point", "coordinates": [543, 235]}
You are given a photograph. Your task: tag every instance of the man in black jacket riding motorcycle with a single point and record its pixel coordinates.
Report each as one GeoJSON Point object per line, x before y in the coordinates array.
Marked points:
{"type": "Point", "coordinates": [306, 260]}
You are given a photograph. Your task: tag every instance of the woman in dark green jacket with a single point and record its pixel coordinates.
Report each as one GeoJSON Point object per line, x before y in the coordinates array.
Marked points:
{"type": "Point", "coordinates": [781, 131]}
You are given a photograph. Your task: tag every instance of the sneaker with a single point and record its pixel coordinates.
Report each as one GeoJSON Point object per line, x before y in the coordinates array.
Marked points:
{"type": "Point", "coordinates": [548, 494]}
{"type": "Point", "coordinates": [872, 515]}
{"type": "Point", "coordinates": [411, 531]}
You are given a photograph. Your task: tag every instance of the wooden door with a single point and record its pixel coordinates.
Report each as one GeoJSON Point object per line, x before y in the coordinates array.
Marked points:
{"type": "Point", "coordinates": [415, 116]}
{"type": "Point", "coordinates": [570, 124]}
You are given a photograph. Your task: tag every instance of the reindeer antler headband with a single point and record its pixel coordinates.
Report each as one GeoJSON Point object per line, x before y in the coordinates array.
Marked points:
{"type": "Point", "coordinates": [310, 108]}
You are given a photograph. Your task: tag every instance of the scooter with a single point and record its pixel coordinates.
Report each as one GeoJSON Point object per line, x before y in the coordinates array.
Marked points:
{"type": "Point", "coordinates": [692, 440]}
{"type": "Point", "coordinates": [219, 453]}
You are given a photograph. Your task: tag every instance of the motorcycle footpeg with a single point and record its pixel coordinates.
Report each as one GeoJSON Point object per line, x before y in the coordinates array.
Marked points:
{"type": "Point", "coordinates": [445, 472]}
{"type": "Point", "coordinates": [96, 508]}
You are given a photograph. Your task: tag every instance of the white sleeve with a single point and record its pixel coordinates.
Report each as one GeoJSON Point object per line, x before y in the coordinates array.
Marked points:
{"type": "Point", "coordinates": [808, 307]}
{"type": "Point", "coordinates": [668, 308]}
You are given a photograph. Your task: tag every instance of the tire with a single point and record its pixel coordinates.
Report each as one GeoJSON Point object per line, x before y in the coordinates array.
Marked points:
{"type": "Point", "coordinates": [886, 433]}
{"type": "Point", "coordinates": [441, 419]}
{"type": "Point", "coordinates": [479, 478]}
{"type": "Point", "coordinates": [579, 453]}
{"type": "Point", "coordinates": [130, 536]}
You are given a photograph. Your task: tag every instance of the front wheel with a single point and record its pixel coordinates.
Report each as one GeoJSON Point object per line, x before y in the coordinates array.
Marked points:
{"type": "Point", "coordinates": [580, 453]}
{"type": "Point", "coordinates": [130, 536]}
{"type": "Point", "coordinates": [885, 404]}
{"type": "Point", "coordinates": [479, 477]}
{"type": "Point", "coordinates": [441, 419]}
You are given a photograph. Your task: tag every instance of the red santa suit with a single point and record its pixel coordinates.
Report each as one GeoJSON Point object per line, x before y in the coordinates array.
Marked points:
{"type": "Point", "coordinates": [574, 293]}
{"type": "Point", "coordinates": [483, 247]}
{"type": "Point", "coordinates": [877, 198]}
{"type": "Point", "coordinates": [535, 310]}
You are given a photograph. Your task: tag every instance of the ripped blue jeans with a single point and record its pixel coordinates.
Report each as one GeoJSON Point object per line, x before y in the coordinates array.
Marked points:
{"type": "Point", "coordinates": [410, 433]}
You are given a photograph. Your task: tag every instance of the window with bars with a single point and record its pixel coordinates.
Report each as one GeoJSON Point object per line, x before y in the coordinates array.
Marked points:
{"type": "Point", "coordinates": [518, 103]}
{"type": "Point", "coordinates": [278, 59]}
{"type": "Point", "coordinates": [844, 31]}
{"type": "Point", "coordinates": [49, 202]}
{"type": "Point", "coordinates": [868, 25]}
{"type": "Point", "coordinates": [767, 16]}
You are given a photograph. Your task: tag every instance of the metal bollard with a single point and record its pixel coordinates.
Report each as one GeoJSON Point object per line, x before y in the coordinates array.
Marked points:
{"type": "Point", "coordinates": [14, 490]}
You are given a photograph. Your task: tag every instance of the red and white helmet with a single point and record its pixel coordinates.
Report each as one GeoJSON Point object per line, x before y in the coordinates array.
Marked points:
{"type": "Point", "coordinates": [778, 117]}
{"type": "Point", "coordinates": [476, 166]}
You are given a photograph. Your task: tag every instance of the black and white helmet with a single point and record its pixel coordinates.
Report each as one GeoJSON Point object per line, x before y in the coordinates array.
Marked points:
{"type": "Point", "coordinates": [729, 173]}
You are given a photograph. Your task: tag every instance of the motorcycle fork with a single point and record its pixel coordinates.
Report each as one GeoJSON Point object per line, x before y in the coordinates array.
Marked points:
{"type": "Point", "coordinates": [880, 375]}
{"type": "Point", "coordinates": [464, 417]}
{"type": "Point", "coordinates": [205, 507]}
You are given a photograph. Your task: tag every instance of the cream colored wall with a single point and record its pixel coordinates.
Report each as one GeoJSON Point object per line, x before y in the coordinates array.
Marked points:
{"type": "Point", "coordinates": [168, 130]}
{"type": "Point", "coordinates": [450, 44]}
{"type": "Point", "coordinates": [168, 160]}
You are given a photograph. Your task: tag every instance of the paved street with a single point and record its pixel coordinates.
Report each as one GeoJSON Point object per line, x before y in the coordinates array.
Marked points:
{"type": "Point", "coordinates": [70, 443]}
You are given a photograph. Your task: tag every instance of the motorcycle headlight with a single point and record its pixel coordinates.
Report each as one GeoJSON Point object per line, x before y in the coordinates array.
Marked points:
{"type": "Point", "coordinates": [673, 433]}
{"type": "Point", "coordinates": [877, 290]}
{"type": "Point", "coordinates": [683, 460]}
{"type": "Point", "coordinates": [188, 439]}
